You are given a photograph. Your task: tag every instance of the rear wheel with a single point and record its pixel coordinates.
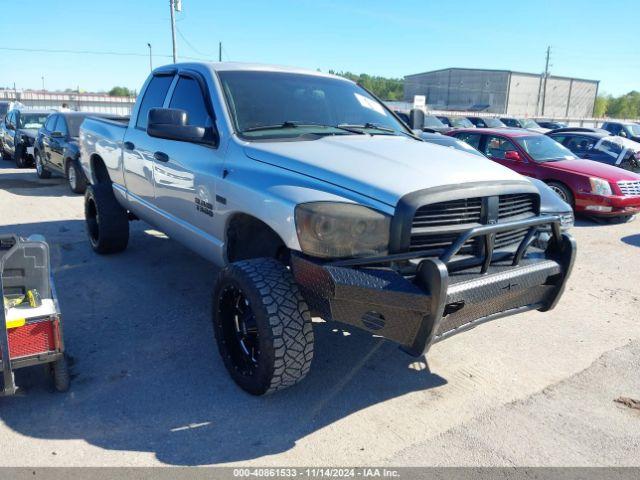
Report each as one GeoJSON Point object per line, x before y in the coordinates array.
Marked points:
{"type": "Point", "coordinates": [75, 177]}
{"type": "Point", "coordinates": [262, 326]}
{"type": "Point", "coordinates": [107, 222]}
{"type": "Point", "coordinates": [20, 156]}
{"type": "Point", "coordinates": [41, 170]}
{"type": "Point", "coordinates": [562, 191]}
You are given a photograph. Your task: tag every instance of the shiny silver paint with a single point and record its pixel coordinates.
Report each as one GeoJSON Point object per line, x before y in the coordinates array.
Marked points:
{"type": "Point", "coordinates": [263, 179]}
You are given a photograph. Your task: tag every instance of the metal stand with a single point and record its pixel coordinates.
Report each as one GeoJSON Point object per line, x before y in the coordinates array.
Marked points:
{"type": "Point", "coordinates": [9, 385]}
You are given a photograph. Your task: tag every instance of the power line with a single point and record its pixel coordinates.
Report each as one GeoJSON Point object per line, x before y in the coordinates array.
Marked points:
{"type": "Point", "coordinates": [190, 45]}
{"type": "Point", "coordinates": [91, 52]}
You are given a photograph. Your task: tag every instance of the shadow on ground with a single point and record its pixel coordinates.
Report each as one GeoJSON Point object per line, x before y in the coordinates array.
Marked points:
{"type": "Point", "coordinates": [25, 182]}
{"type": "Point", "coordinates": [633, 240]}
{"type": "Point", "coordinates": [147, 376]}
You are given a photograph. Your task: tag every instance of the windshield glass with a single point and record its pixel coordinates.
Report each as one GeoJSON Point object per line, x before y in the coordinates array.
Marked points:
{"type": "Point", "coordinates": [634, 129]}
{"type": "Point", "coordinates": [32, 120]}
{"type": "Point", "coordinates": [460, 122]}
{"type": "Point", "coordinates": [287, 105]}
{"type": "Point", "coordinates": [544, 149]}
{"type": "Point", "coordinates": [433, 122]}
{"type": "Point", "coordinates": [528, 123]}
{"type": "Point", "coordinates": [493, 123]}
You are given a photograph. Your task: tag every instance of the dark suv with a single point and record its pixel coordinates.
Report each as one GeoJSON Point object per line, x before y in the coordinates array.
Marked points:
{"type": "Point", "coordinates": [628, 130]}
{"type": "Point", "coordinates": [19, 133]}
{"type": "Point", "coordinates": [56, 147]}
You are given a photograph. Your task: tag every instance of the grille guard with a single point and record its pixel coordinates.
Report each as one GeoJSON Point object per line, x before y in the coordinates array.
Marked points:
{"type": "Point", "coordinates": [436, 304]}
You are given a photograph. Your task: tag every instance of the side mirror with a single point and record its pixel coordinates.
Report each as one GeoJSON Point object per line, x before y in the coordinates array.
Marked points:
{"type": "Point", "coordinates": [56, 134]}
{"type": "Point", "coordinates": [171, 124]}
{"type": "Point", "coordinates": [513, 155]}
{"type": "Point", "coordinates": [622, 134]}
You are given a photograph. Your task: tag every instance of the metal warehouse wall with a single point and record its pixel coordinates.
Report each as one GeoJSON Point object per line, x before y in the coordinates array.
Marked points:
{"type": "Point", "coordinates": [523, 95]}
{"type": "Point", "coordinates": [565, 97]}
{"type": "Point", "coordinates": [460, 89]}
{"type": "Point", "coordinates": [85, 102]}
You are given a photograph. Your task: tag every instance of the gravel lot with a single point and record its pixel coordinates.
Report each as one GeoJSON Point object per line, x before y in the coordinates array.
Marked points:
{"type": "Point", "coordinates": [150, 389]}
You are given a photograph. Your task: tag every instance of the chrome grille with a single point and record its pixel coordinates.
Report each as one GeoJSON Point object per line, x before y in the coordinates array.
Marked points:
{"type": "Point", "coordinates": [629, 187]}
{"type": "Point", "coordinates": [436, 226]}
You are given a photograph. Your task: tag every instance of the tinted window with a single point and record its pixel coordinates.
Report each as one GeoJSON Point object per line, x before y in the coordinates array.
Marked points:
{"type": "Point", "coordinates": [153, 97]}
{"type": "Point", "coordinates": [188, 96]}
{"type": "Point", "coordinates": [496, 147]}
{"type": "Point", "coordinates": [51, 123]}
{"type": "Point", "coordinates": [73, 123]}
{"type": "Point", "coordinates": [472, 139]}
{"type": "Point", "coordinates": [265, 104]}
{"type": "Point", "coordinates": [613, 128]}
{"type": "Point", "coordinates": [61, 126]}
{"type": "Point", "coordinates": [510, 122]}
{"type": "Point", "coordinates": [4, 108]}
{"type": "Point", "coordinates": [579, 144]}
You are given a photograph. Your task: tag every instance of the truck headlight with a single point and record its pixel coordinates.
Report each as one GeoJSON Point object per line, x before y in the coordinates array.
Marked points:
{"type": "Point", "coordinates": [339, 230]}
{"type": "Point", "coordinates": [600, 186]}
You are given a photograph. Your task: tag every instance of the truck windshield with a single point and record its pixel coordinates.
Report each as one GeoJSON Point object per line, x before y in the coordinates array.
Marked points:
{"type": "Point", "coordinates": [32, 120]}
{"type": "Point", "coordinates": [271, 105]}
{"type": "Point", "coordinates": [544, 149]}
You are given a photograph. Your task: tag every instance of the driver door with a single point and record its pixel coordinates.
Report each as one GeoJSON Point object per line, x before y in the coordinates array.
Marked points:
{"type": "Point", "coordinates": [496, 147]}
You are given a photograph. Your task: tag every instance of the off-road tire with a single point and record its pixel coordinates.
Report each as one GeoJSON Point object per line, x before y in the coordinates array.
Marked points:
{"type": "Point", "coordinates": [20, 156]}
{"type": "Point", "coordinates": [282, 318]}
{"type": "Point", "coordinates": [80, 183]}
{"type": "Point", "coordinates": [61, 375]}
{"type": "Point", "coordinates": [41, 170]}
{"type": "Point", "coordinates": [563, 192]}
{"type": "Point", "coordinates": [107, 222]}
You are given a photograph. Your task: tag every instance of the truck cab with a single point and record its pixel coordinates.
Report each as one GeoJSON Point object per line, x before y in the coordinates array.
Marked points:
{"type": "Point", "coordinates": [313, 197]}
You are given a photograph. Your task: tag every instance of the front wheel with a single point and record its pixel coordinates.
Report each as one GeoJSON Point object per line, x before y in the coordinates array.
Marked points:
{"type": "Point", "coordinates": [41, 170]}
{"type": "Point", "coordinates": [262, 326]}
{"type": "Point", "coordinates": [562, 191]}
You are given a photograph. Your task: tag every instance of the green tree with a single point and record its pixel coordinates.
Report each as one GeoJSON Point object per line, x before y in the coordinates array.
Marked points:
{"type": "Point", "coordinates": [602, 102]}
{"type": "Point", "coordinates": [120, 92]}
{"type": "Point", "coordinates": [382, 87]}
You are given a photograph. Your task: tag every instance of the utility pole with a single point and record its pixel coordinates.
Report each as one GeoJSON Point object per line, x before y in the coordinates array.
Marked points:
{"type": "Point", "coordinates": [219, 51]}
{"type": "Point", "coordinates": [546, 76]}
{"type": "Point", "coordinates": [42, 83]}
{"type": "Point", "coordinates": [172, 6]}
{"type": "Point", "coordinates": [150, 58]}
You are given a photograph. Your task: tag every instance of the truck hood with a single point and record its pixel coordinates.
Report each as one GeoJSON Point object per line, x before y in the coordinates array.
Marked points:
{"type": "Point", "coordinates": [593, 169]}
{"type": "Point", "coordinates": [381, 167]}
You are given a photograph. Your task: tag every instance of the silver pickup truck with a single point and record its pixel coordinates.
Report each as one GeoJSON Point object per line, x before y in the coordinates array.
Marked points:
{"type": "Point", "coordinates": [315, 199]}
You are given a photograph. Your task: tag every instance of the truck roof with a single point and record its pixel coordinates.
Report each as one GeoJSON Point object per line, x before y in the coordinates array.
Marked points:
{"type": "Point", "coordinates": [242, 66]}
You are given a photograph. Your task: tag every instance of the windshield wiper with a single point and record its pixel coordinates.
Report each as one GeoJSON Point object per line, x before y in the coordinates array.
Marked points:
{"type": "Point", "coordinates": [290, 124]}
{"type": "Point", "coordinates": [375, 126]}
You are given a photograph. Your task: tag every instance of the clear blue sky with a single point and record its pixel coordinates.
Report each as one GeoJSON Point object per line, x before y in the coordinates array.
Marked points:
{"type": "Point", "coordinates": [589, 39]}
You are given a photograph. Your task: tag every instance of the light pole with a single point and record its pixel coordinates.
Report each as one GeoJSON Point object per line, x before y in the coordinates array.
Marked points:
{"type": "Point", "coordinates": [150, 57]}
{"type": "Point", "coordinates": [42, 83]}
{"type": "Point", "coordinates": [173, 29]}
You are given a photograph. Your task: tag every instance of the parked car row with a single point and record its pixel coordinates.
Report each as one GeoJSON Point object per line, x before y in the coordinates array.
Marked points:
{"type": "Point", "coordinates": [593, 187]}
{"type": "Point", "coordinates": [46, 140]}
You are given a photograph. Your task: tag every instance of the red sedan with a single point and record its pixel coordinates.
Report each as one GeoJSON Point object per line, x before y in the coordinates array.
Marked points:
{"type": "Point", "coordinates": [590, 187]}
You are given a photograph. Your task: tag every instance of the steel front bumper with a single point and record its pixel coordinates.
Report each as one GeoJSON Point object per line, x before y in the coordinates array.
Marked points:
{"type": "Point", "coordinates": [435, 304]}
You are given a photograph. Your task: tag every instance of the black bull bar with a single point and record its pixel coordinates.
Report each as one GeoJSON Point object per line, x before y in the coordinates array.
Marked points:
{"type": "Point", "coordinates": [436, 304]}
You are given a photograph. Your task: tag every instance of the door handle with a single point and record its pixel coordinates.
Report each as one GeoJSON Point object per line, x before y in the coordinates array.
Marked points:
{"type": "Point", "coordinates": [161, 157]}
{"type": "Point", "coordinates": [129, 145]}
